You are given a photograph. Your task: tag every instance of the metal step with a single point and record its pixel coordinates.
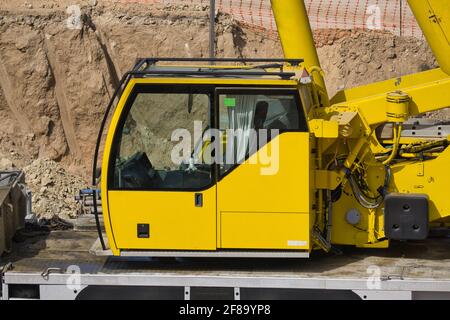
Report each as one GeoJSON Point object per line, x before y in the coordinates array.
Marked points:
{"type": "Point", "coordinates": [87, 223]}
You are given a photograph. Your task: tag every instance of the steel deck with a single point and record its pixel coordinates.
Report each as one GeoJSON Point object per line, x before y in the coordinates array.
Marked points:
{"type": "Point", "coordinates": [406, 270]}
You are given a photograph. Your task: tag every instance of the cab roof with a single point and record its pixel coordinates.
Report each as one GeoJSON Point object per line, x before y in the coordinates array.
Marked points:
{"type": "Point", "coordinates": [242, 69]}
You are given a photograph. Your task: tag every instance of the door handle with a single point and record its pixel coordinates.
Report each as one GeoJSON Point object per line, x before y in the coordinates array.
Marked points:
{"type": "Point", "coordinates": [199, 200]}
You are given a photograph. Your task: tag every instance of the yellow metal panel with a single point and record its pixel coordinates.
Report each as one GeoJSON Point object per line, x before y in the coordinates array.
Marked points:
{"type": "Point", "coordinates": [434, 20]}
{"type": "Point", "coordinates": [324, 129]}
{"type": "Point", "coordinates": [260, 230]}
{"type": "Point", "coordinates": [288, 190]}
{"type": "Point", "coordinates": [175, 222]}
{"type": "Point", "coordinates": [428, 177]}
{"type": "Point", "coordinates": [420, 169]}
{"type": "Point", "coordinates": [344, 233]}
{"type": "Point", "coordinates": [246, 189]}
{"type": "Point", "coordinates": [327, 180]}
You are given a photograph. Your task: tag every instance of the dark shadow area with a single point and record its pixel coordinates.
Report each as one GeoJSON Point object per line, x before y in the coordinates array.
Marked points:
{"type": "Point", "coordinates": [203, 293]}
{"type": "Point", "coordinates": [131, 293]}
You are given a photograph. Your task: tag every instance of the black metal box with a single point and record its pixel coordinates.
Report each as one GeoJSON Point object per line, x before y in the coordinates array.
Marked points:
{"type": "Point", "coordinates": [406, 216]}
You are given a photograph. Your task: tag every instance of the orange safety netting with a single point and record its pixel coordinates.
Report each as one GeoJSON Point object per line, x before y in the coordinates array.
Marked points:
{"type": "Point", "coordinates": [389, 15]}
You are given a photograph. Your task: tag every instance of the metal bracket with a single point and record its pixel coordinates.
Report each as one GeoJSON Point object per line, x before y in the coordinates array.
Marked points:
{"type": "Point", "coordinates": [7, 267]}
{"type": "Point", "coordinates": [327, 180]}
{"type": "Point", "coordinates": [187, 293]}
{"type": "Point", "coordinates": [46, 273]}
{"type": "Point", "coordinates": [324, 129]}
{"type": "Point", "coordinates": [237, 293]}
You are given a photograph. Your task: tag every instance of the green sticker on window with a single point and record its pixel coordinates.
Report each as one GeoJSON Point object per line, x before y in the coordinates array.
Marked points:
{"type": "Point", "coordinates": [230, 102]}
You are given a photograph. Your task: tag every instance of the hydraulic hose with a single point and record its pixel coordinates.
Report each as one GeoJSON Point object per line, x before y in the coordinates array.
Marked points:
{"type": "Point", "coordinates": [397, 135]}
{"type": "Point", "coordinates": [362, 199]}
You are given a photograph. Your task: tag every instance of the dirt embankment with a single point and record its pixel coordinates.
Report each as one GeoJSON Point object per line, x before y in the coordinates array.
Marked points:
{"type": "Point", "coordinates": [360, 58]}
{"type": "Point", "coordinates": [56, 81]}
{"type": "Point", "coordinates": [53, 189]}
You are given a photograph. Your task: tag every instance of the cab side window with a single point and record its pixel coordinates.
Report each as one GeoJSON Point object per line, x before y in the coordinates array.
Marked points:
{"type": "Point", "coordinates": [253, 120]}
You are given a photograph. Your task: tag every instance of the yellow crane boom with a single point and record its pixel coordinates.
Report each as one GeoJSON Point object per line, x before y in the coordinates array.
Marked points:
{"type": "Point", "coordinates": [433, 17]}
{"type": "Point", "coordinates": [297, 39]}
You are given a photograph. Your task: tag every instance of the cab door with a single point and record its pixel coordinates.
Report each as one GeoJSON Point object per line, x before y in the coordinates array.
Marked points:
{"type": "Point", "coordinates": [263, 195]}
{"type": "Point", "coordinates": [159, 196]}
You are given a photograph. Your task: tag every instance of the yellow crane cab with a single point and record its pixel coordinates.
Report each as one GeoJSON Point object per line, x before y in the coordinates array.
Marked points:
{"type": "Point", "coordinates": [253, 159]}
{"type": "Point", "coordinates": [192, 161]}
